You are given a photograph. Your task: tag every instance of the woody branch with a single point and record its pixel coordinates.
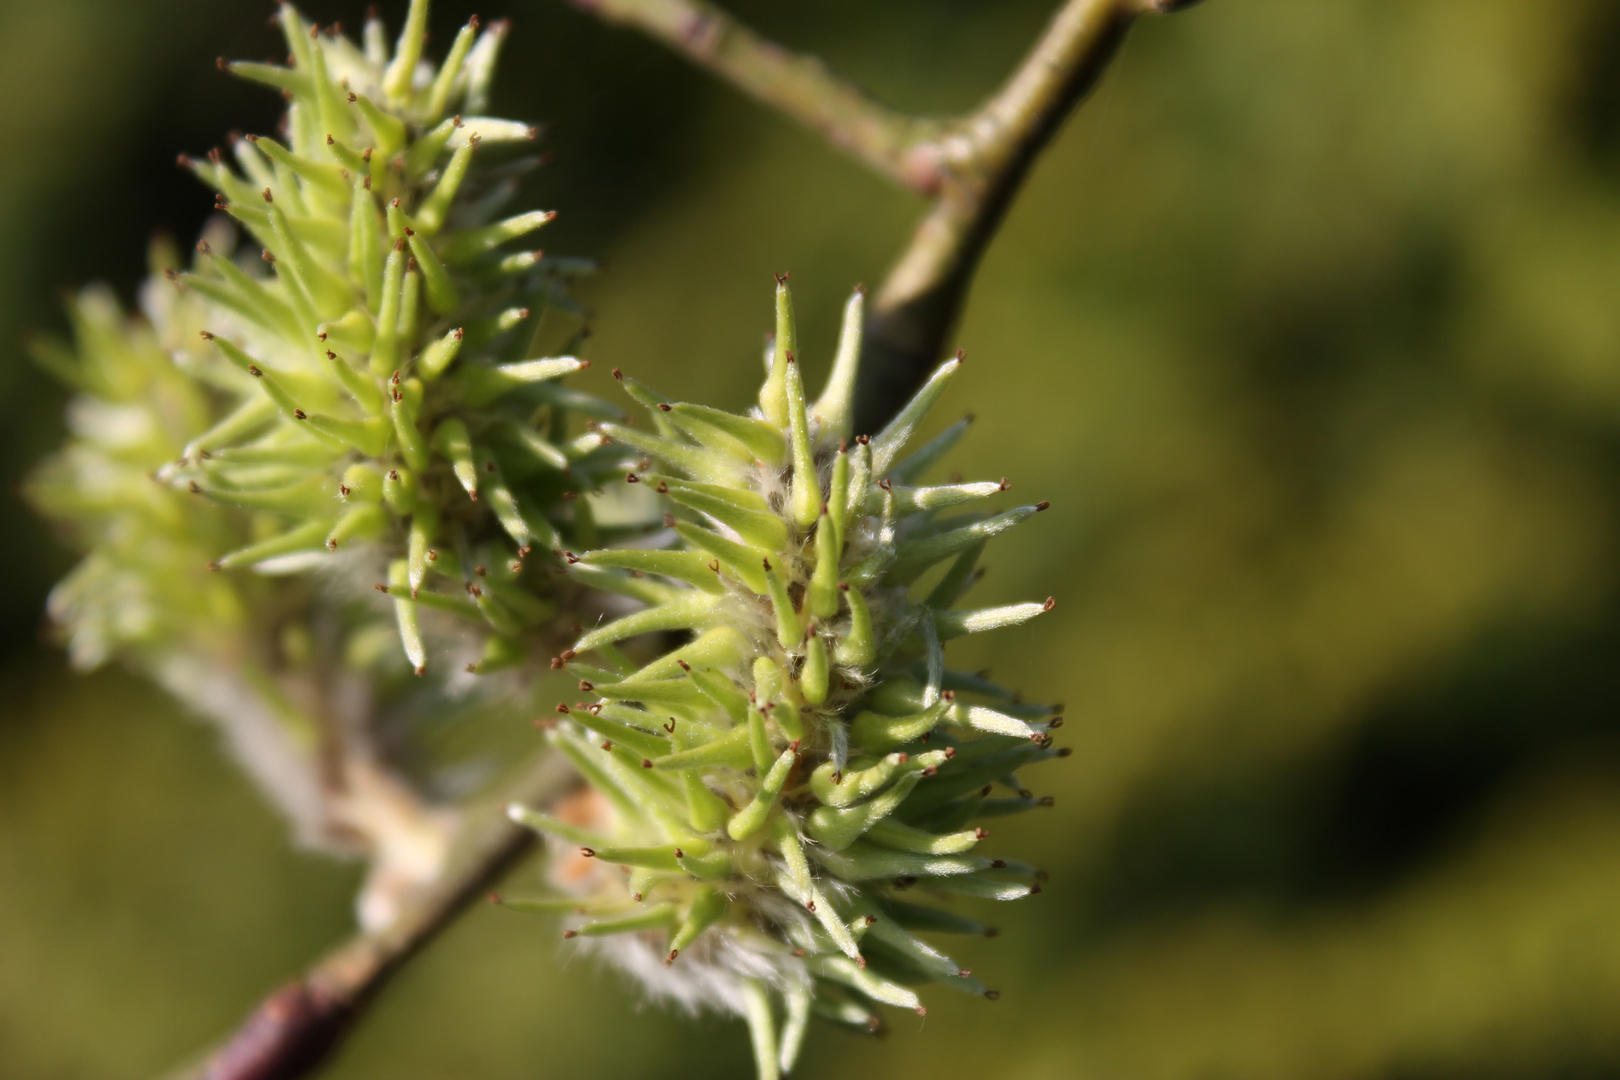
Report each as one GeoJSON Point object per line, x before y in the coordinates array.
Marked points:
{"type": "Point", "coordinates": [971, 166]}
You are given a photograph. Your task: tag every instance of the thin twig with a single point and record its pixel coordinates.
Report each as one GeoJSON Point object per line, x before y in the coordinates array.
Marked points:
{"type": "Point", "coordinates": [295, 1028]}
{"type": "Point", "coordinates": [798, 84]}
{"type": "Point", "coordinates": [971, 166]}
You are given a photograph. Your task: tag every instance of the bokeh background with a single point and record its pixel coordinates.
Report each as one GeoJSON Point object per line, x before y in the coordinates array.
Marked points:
{"type": "Point", "coordinates": [1308, 326]}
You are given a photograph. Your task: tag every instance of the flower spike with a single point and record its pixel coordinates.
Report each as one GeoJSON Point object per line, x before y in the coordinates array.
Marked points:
{"type": "Point", "coordinates": [816, 768]}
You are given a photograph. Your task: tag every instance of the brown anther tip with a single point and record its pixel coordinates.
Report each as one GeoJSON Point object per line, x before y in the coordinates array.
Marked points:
{"type": "Point", "coordinates": [664, 406]}
{"type": "Point", "coordinates": [636, 897]}
{"type": "Point", "coordinates": [998, 864]}
{"type": "Point", "coordinates": [932, 770]}
{"type": "Point", "coordinates": [767, 563]}
{"type": "Point", "coordinates": [669, 522]}
{"type": "Point", "coordinates": [589, 853]}
{"type": "Point", "coordinates": [1065, 751]}
{"type": "Point", "coordinates": [432, 555]}
{"type": "Point", "coordinates": [670, 959]}
{"type": "Point", "coordinates": [331, 544]}
{"type": "Point", "coordinates": [984, 792]}
{"type": "Point", "coordinates": [267, 196]}
{"type": "Point", "coordinates": [586, 686]}
{"type": "Point", "coordinates": [992, 995]}
{"type": "Point", "coordinates": [1051, 602]}
{"type": "Point", "coordinates": [471, 669]}
{"type": "Point", "coordinates": [789, 356]}
{"type": "Point", "coordinates": [646, 763]}
{"type": "Point", "coordinates": [203, 248]}
{"type": "Point", "coordinates": [864, 440]}
{"type": "Point", "coordinates": [683, 665]}
{"type": "Point", "coordinates": [214, 566]}
{"type": "Point", "coordinates": [948, 695]}
{"type": "Point", "coordinates": [299, 414]}
{"type": "Point", "coordinates": [556, 663]}
{"type": "Point", "coordinates": [562, 708]}
{"type": "Point", "coordinates": [494, 898]}
{"type": "Point", "coordinates": [810, 905]}
{"type": "Point", "coordinates": [1034, 890]}
{"type": "Point", "coordinates": [679, 854]}
{"type": "Point", "coordinates": [268, 256]}
{"type": "Point", "coordinates": [922, 1010]}
{"type": "Point", "coordinates": [861, 960]}
{"type": "Point", "coordinates": [569, 654]}
{"type": "Point", "coordinates": [607, 744]}
{"type": "Point", "coordinates": [570, 496]}
{"type": "Point", "coordinates": [843, 586]}
{"type": "Point", "coordinates": [961, 354]}
{"type": "Point", "coordinates": [380, 587]}
{"type": "Point", "coordinates": [408, 230]}
{"type": "Point", "coordinates": [1056, 722]}
{"type": "Point", "coordinates": [1047, 800]}
{"type": "Point", "coordinates": [206, 335]}
{"type": "Point", "coordinates": [992, 931]}
{"type": "Point", "coordinates": [421, 670]}
{"type": "Point", "coordinates": [570, 934]}
{"type": "Point", "coordinates": [781, 279]}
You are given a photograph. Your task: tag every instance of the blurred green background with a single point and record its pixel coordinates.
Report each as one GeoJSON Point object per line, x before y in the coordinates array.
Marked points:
{"type": "Point", "coordinates": [1308, 327]}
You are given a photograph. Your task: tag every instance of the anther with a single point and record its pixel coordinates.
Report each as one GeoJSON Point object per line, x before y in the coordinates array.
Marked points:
{"type": "Point", "coordinates": [1051, 602]}
{"type": "Point", "coordinates": [589, 853]}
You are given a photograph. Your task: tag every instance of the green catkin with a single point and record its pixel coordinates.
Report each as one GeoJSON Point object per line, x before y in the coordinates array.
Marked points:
{"type": "Point", "coordinates": [831, 762]}
{"type": "Point", "coordinates": [274, 435]}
